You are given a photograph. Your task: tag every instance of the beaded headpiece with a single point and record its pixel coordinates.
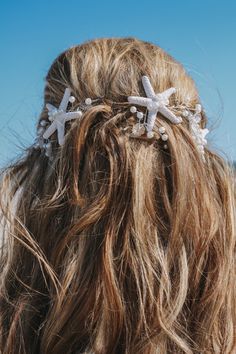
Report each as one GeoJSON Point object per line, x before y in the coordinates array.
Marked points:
{"type": "Point", "coordinates": [154, 103]}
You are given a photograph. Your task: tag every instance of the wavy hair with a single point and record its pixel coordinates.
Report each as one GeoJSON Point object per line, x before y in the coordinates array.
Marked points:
{"type": "Point", "coordinates": [117, 246]}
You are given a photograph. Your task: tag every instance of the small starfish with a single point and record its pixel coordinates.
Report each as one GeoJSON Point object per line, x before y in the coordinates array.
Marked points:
{"type": "Point", "coordinates": [59, 117]}
{"type": "Point", "coordinates": [155, 103]}
{"type": "Point", "coordinates": [198, 132]}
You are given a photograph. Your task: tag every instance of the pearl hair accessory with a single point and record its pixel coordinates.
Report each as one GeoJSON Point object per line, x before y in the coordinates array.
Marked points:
{"type": "Point", "coordinates": [154, 103]}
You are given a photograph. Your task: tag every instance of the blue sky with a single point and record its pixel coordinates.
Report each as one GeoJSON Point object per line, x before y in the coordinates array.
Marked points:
{"type": "Point", "coordinates": [200, 34]}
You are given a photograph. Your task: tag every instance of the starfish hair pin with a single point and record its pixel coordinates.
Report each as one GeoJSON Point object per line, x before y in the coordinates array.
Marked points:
{"type": "Point", "coordinates": [57, 117]}
{"type": "Point", "coordinates": [154, 103]}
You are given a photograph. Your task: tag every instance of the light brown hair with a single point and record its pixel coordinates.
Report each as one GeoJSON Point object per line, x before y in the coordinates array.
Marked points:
{"type": "Point", "coordinates": [118, 245]}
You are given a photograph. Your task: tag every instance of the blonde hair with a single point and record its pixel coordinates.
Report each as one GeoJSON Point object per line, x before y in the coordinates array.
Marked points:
{"type": "Point", "coordinates": [117, 245]}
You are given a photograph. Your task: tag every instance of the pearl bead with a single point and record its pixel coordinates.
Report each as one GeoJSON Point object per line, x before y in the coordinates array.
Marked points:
{"type": "Point", "coordinates": [133, 109]}
{"type": "Point", "coordinates": [43, 123]}
{"type": "Point", "coordinates": [140, 115]}
{"type": "Point", "coordinates": [72, 99]}
{"type": "Point", "coordinates": [88, 101]}
{"type": "Point", "coordinates": [164, 137]}
{"type": "Point", "coordinates": [150, 135]}
{"type": "Point", "coordinates": [165, 146]}
{"type": "Point", "coordinates": [162, 130]}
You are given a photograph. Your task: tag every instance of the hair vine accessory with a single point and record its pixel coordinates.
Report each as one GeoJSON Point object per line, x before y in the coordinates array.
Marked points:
{"type": "Point", "coordinates": [154, 103]}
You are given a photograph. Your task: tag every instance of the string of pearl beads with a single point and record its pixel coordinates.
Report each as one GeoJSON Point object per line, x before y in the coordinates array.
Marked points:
{"type": "Point", "coordinates": [138, 129]}
{"type": "Point", "coordinates": [164, 136]}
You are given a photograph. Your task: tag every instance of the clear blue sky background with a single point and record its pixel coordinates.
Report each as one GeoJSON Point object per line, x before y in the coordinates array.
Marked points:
{"type": "Point", "coordinates": [200, 34]}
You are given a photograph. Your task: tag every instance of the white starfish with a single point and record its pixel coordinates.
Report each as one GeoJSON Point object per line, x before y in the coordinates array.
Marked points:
{"type": "Point", "coordinates": [59, 117]}
{"type": "Point", "coordinates": [197, 132]}
{"type": "Point", "coordinates": [155, 103]}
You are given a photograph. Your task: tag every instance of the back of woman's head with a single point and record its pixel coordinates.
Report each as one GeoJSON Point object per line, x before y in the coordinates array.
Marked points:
{"type": "Point", "coordinates": [117, 244]}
